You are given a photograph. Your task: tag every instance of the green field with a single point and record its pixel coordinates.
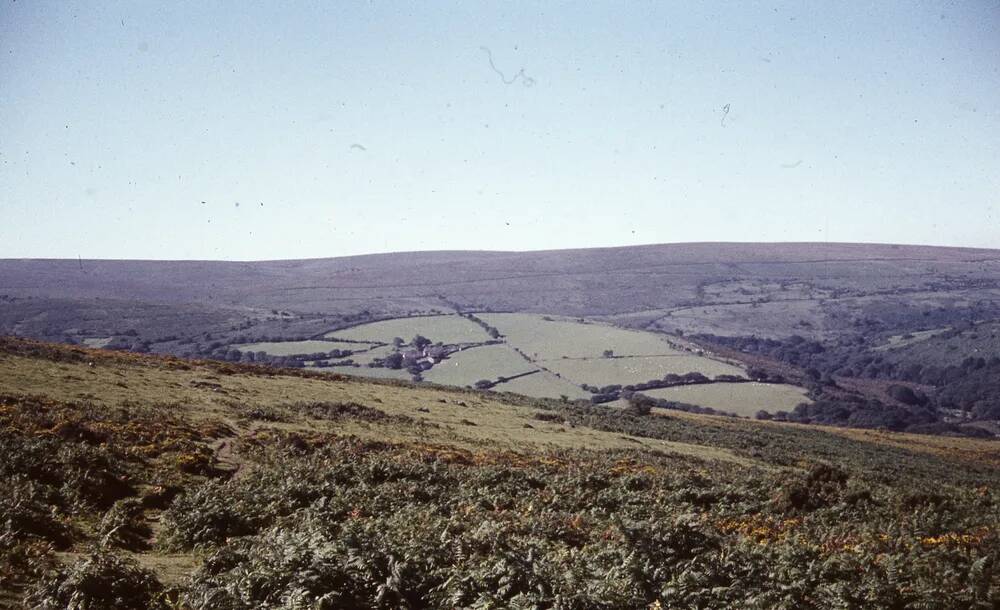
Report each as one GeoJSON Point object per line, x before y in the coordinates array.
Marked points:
{"type": "Point", "coordinates": [543, 385]}
{"type": "Point", "coordinates": [296, 348]}
{"type": "Point", "coordinates": [447, 329]}
{"type": "Point", "coordinates": [569, 351]}
{"type": "Point", "coordinates": [543, 339]}
{"type": "Point", "coordinates": [469, 366]}
{"type": "Point", "coordinates": [739, 398]}
{"type": "Point", "coordinates": [624, 371]}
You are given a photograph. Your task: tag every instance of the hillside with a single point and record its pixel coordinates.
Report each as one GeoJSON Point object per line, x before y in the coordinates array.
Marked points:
{"type": "Point", "coordinates": [867, 335]}
{"type": "Point", "coordinates": [146, 481]}
{"type": "Point", "coordinates": [652, 284]}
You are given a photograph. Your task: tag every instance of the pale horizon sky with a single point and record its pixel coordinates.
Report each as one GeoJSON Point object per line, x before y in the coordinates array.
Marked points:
{"type": "Point", "coordinates": [249, 131]}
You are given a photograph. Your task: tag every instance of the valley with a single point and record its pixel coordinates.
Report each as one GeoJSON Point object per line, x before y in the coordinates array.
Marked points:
{"type": "Point", "coordinates": [851, 327]}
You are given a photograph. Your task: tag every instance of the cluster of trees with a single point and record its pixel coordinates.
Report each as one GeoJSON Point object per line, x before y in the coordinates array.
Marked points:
{"type": "Point", "coordinates": [972, 386]}
{"type": "Point", "coordinates": [857, 412]}
{"type": "Point", "coordinates": [976, 391]}
{"type": "Point", "coordinates": [261, 357]}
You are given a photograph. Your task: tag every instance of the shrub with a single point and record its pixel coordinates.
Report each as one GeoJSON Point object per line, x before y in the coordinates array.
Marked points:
{"type": "Point", "coordinates": [821, 487]}
{"type": "Point", "coordinates": [100, 581]}
{"type": "Point", "coordinates": [124, 526]}
{"type": "Point", "coordinates": [639, 405]}
{"type": "Point", "coordinates": [25, 512]}
{"type": "Point", "coordinates": [906, 395]}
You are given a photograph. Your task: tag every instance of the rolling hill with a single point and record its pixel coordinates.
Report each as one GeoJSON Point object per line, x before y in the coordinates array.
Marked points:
{"type": "Point", "coordinates": [854, 324]}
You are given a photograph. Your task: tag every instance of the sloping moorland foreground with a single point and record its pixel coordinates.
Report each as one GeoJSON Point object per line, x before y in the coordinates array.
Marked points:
{"type": "Point", "coordinates": [136, 481]}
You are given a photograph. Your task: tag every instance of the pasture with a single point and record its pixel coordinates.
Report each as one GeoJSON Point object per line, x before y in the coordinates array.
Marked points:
{"type": "Point", "coordinates": [448, 329]}
{"type": "Point", "coordinates": [739, 398]}
{"type": "Point", "coordinates": [638, 369]}
{"type": "Point", "coordinates": [569, 352]}
{"type": "Point", "coordinates": [470, 365]}
{"type": "Point", "coordinates": [543, 385]}
{"type": "Point", "coordinates": [551, 337]}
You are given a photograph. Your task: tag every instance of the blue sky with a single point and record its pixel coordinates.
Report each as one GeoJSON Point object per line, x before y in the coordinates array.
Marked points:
{"type": "Point", "coordinates": [246, 130]}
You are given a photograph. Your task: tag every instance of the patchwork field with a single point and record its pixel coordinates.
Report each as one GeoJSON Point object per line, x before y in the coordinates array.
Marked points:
{"type": "Point", "coordinates": [487, 362]}
{"type": "Point", "coordinates": [444, 329]}
{"type": "Point", "coordinates": [551, 337]}
{"type": "Point", "coordinates": [543, 385]}
{"type": "Point", "coordinates": [296, 348]}
{"type": "Point", "coordinates": [630, 370]}
{"type": "Point", "coordinates": [572, 350]}
{"type": "Point", "coordinates": [739, 398]}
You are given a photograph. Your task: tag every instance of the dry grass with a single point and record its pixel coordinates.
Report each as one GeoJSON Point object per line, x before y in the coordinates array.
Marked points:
{"type": "Point", "coordinates": [201, 392]}
{"type": "Point", "coordinates": [980, 451]}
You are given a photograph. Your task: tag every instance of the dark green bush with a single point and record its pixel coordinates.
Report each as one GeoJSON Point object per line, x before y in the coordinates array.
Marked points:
{"type": "Point", "coordinates": [124, 525]}
{"type": "Point", "coordinates": [99, 581]}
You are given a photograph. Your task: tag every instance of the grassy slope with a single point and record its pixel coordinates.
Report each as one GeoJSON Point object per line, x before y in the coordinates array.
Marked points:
{"type": "Point", "coordinates": [202, 392]}
{"type": "Point", "coordinates": [217, 433]}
